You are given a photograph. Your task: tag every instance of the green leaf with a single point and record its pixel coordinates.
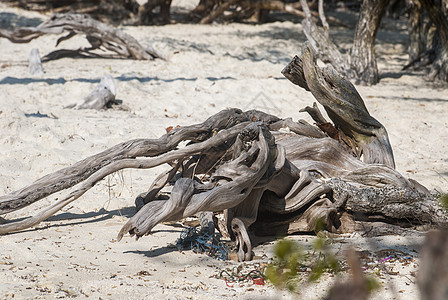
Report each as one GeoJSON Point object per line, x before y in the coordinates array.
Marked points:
{"type": "Point", "coordinates": [319, 244]}
{"type": "Point", "coordinates": [443, 199]}
{"type": "Point", "coordinates": [283, 248]}
{"type": "Point", "coordinates": [272, 274]}
{"type": "Point", "coordinates": [372, 284]}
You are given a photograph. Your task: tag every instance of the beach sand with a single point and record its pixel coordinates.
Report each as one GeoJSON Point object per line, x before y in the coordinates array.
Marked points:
{"type": "Point", "coordinates": [209, 68]}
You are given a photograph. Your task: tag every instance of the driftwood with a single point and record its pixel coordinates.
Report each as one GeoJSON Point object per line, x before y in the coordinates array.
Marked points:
{"type": "Point", "coordinates": [98, 34]}
{"type": "Point", "coordinates": [35, 64]}
{"type": "Point", "coordinates": [356, 128]}
{"type": "Point", "coordinates": [102, 96]}
{"type": "Point", "coordinates": [338, 175]}
{"type": "Point", "coordinates": [360, 65]}
{"type": "Point", "coordinates": [108, 11]}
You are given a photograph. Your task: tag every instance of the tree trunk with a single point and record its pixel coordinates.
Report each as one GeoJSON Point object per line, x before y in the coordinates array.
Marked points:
{"type": "Point", "coordinates": [362, 58]}
{"type": "Point", "coordinates": [437, 14]}
{"type": "Point", "coordinates": [415, 44]}
{"type": "Point", "coordinates": [203, 9]}
{"type": "Point", "coordinates": [147, 14]}
{"type": "Point", "coordinates": [361, 65]}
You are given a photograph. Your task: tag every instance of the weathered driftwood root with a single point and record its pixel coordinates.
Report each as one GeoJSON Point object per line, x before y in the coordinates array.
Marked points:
{"type": "Point", "coordinates": [98, 34]}
{"type": "Point", "coordinates": [229, 186]}
{"type": "Point", "coordinates": [387, 203]}
{"type": "Point", "coordinates": [360, 131]}
{"type": "Point", "coordinates": [35, 64]}
{"type": "Point", "coordinates": [82, 170]}
{"type": "Point", "coordinates": [99, 169]}
{"type": "Point", "coordinates": [338, 176]}
{"type": "Point", "coordinates": [101, 97]}
{"type": "Point", "coordinates": [109, 11]}
{"type": "Point", "coordinates": [323, 46]}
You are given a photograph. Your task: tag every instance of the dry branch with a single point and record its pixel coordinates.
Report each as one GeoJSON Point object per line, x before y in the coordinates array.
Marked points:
{"type": "Point", "coordinates": [340, 175]}
{"type": "Point", "coordinates": [390, 202]}
{"type": "Point", "coordinates": [108, 11]}
{"type": "Point", "coordinates": [344, 107]}
{"type": "Point", "coordinates": [98, 34]}
{"type": "Point", "coordinates": [85, 168]}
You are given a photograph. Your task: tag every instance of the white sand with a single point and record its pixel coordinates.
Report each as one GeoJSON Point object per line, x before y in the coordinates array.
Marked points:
{"type": "Point", "coordinates": [210, 68]}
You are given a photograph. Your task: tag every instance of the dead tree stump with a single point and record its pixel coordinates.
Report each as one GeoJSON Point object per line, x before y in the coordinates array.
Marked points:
{"type": "Point", "coordinates": [338, 175]}
{"type": "Point", "coordinates": [99, 35]}
{"type": "Point", "coordinates": [35, 64]}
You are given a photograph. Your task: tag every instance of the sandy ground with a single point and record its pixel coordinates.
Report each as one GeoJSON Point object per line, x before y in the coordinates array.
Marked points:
{"type": "Point", "coordinates": [74, 253]}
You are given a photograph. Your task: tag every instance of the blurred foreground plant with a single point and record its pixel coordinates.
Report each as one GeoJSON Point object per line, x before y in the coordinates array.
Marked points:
{"type": "Point", "coordinates": [291, 261]}
{"type": "Point", "coordinates": [444, 200]}
{"type": "Point", "coordinates": [292, 265]}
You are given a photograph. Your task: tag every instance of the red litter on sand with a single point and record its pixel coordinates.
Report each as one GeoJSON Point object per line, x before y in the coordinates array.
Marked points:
{"type": "Point", "coordinates": [259, 281]}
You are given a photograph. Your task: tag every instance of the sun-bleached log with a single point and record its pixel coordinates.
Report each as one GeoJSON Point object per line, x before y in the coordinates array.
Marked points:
{"type": "Point", "coordinates": [269, 175]}
{"type": "Point", "coordinates": [99, 35]}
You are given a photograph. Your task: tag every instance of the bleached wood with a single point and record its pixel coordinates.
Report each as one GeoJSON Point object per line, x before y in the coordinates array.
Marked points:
{"type": "Point", "coordinates": [98, 34]}
{"type": "Point", "coordinates": [265, 177]}
{"type": "Point", "coordinates": [35, 64]}
{"type": "Point", "coordinates": [103, 94]}
{"type": "Point", "coordinates": [344, 106]}
{"type": "Point", "coordinates": [80, 171]}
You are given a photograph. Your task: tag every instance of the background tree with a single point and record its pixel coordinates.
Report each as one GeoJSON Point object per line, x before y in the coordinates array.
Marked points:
{"type": "Point", "coordinates": [428, 36]}
{"type": "Point", "coordinates": [427, 23]}
{"type": "Point", "coordinates": [362, 56]}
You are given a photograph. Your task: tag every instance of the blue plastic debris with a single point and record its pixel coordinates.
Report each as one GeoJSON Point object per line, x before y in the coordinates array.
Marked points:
{"type": "Point", "coordinates": [202, 242]}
